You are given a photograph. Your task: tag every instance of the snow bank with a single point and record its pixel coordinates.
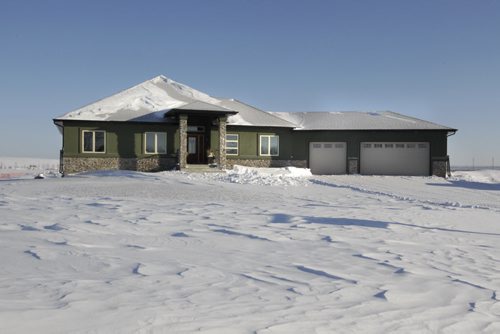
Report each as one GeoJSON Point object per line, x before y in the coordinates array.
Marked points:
{"type": "Point", "coordinates": [290, 176]}
{"type": "Point", "coordinates": [481, 176]}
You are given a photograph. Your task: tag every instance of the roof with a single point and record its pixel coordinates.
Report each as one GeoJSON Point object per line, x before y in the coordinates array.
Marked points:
{"type": "Point", "coordinates": [147, 101]}
{"type": "Point", "coordinates": [154, 99]}
{"type": "Point", "coordinates": [356, 120]}
{"type": "Point", "coordinates": [251, 116]}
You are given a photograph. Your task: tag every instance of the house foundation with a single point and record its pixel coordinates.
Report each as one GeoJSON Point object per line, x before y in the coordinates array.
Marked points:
{"type": "Point", "coordinates": [441, 166]}
{"type": "Point", "coordinates": [150, 164]}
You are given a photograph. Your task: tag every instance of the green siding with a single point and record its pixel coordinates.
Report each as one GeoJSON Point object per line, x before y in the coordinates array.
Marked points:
{"type": "Point", "coordinates": [301, 140]}
{"type": "Point", "coordinates": [249, 142]}
{"type": "Point", "coordinates": [124, 140]}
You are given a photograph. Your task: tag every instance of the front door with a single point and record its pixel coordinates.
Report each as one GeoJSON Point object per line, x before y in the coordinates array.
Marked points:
{"type": "Point", "coordinates": [196, 148]}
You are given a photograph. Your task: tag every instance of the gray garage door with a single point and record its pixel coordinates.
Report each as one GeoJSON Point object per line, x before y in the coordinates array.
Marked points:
{"type": "Point", "coordinates": [392, 158]}
{"type": "Point", "coordinates": [327, 158]}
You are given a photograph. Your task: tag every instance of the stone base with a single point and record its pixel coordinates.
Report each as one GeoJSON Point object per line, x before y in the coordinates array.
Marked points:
{"type": "Point", "coordinates": [150, 164]}
{"type": "Point", "coordinates": [266, 163]}
{"type": "Point", "coordinates": [440, 168]}
{"type": "Point", "coordinates": [352, 165]}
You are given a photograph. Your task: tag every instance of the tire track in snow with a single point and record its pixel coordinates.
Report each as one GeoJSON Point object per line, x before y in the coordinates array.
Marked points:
{"type": "Point", "coordinates": [447, 205]}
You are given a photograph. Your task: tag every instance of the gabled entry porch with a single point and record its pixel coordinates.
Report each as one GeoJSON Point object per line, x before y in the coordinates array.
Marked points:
{"type": "Point", "coordinates": [202, 134]}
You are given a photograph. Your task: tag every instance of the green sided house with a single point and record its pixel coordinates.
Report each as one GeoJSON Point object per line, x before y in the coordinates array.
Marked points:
{"type": "Point", "coordinates": [161, 124]}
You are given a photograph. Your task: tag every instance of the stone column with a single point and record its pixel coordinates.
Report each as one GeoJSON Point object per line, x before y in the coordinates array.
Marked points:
{"type": "Point", "coordinates": [440, 166]}
{"type": "Point", "coordinates": [221, 157]}
{"type": "Point", "coordinates": [183, 141]}
{"type": "Point", "coordinates": [352, 166]}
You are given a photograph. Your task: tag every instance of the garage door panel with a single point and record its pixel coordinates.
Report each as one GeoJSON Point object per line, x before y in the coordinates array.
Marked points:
{"type": "Point", "coordinates": [395, 158]}
{"type": "Point", "coordinates": [327, 158]}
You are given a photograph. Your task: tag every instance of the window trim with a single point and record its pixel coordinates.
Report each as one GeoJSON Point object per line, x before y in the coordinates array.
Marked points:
{"type": "Point", "coordinates": [237, 141]}
{"type": "Point", "coordinates": [93, 141]}
{"type": "Point", "coordinates": [155, 144]}
{"type": "Point", "coordinates": [269, 146]}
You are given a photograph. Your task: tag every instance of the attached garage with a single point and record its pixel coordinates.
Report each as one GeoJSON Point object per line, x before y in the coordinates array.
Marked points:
{"type": "Point", "coordinates": [395, 158]}
{"type": "Point", "coordinates": [326, 158]}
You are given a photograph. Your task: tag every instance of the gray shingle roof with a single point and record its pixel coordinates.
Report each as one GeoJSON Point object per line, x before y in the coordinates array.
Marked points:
{"type": "Point", "coordinates": [151, 100]}
{"type": "Point", "coordinates": [354, 120]}
{"type": "Point", "coordinates": [251, 116]}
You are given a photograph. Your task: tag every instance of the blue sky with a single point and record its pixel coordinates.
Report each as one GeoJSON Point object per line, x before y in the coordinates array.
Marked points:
{"type": "Point", "coordinates": [436, 60]}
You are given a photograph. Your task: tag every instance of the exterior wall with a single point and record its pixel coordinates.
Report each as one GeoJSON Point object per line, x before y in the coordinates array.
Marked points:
{"type": "Point", "coordinates": [353, 165]}
{"type": "Point", "coordinates": [249, 142]}
{"type": "Point", "coordinates": [441, 166]}
{"type": "Point", "coordinates": [151, 164]}
{"type": "Point", "coordinates": [437, 140]}
{"type": "Point", "coordinates": [125, 140]}
{"type": "Point", "coordinates": [125, 146]}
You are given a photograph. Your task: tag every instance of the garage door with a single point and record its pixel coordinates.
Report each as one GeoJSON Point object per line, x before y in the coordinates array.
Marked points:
{"type": "Point", "coordinates": [387, 158]}
{"type": "Point", "coordinates": [327, 158]}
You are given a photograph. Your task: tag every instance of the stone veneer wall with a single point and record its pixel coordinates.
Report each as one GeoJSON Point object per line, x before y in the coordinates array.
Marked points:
{"type": "Point", "coordinates": [353, 166]}
{"type": "Point", "coordinates": [440, 167]}
{"type": "Point", "coordinates": [150, 164]}
{"type": "Point", "coordinates": [266, 163]}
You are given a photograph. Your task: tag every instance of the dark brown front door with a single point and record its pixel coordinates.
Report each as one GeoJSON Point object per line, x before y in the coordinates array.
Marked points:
{"type": "Point", "coordinates": [195, 148]}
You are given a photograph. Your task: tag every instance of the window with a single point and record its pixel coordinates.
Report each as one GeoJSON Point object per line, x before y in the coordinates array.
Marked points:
{"type": "Point", "coordinates": [367, 145]}
{"type": "Point", "coordinates": [192, 145]}
{"type": "Point", "coordinates": [231, 144]}
{"type": "Point", "coordinates": [327, 145]}
{"type": "Point", "coordinates": [400, 145]}
{"type": "Point", "coordinates": [410, 145]}
{"type": "Point", "coordinates": [422, 145]}
{"type": "Point", "coordinates": [269, 145]}
{"type": "Point", "coordinates": [339, 145]}
{"type": "Point", "coordinates": [389, 145]}
{"type": "Point", "coordinates": [377, 145]}
{"type": "Point", "coordinates": [155, 142]}
{"type": "Point", "coordinates": [93, 141]}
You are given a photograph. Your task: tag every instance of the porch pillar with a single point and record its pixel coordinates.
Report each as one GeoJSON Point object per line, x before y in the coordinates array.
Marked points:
{"type": "Point", "coordinates": [183, 141]}
{"type": "Point", "coordinates": [221, 157]}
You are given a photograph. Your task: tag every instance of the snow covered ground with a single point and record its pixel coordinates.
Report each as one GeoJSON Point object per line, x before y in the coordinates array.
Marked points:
{"type": "Point", "coordinates": [250, 252]}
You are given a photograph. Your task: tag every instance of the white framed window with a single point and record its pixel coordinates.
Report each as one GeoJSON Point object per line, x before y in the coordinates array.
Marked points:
{"type": "Point", "coordinates": [269, 145]}
{"type": "Point", "coordinates": [155, 142]}
{"type": "Point", "coordinates": [93, 141]}
{"type": "Point", "coordinates": [232, 144]}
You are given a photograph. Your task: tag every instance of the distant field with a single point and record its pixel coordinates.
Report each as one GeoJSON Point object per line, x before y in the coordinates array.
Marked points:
{"type": "Point", "coordinates": [23, 167]}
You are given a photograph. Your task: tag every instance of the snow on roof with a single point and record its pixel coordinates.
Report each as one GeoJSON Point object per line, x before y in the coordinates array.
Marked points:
{"type": "Point", "coordinates": [251, 116]}
{"type": "Point", "coordinates": [147, 101]}
{"type": "Point", "coordinates": [355, 120]}
{"type": "Point", "coordinates": [151, 100]}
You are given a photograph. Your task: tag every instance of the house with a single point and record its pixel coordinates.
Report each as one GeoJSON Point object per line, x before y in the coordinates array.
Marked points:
{"type": "Point", "coordinates": [161, 124]}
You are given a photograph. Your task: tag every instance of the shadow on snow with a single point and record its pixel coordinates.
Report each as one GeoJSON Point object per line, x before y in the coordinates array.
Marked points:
{"type": "Point", "coordinates": [468, 185]}
{"type": "Point", "coordinates": [281, 218]}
